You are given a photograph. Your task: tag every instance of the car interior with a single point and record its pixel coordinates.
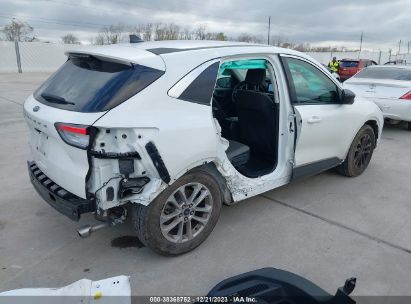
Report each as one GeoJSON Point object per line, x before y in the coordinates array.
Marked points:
{"type": "Point", "coordinates": [244, 106]}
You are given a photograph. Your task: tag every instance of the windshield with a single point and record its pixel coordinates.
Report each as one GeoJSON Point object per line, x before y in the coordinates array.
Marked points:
{"type": "Point", "coordinates": [386, 73]}
{"type": "Point", "coordinates": [348, 64]}
{"type": "Point", "coordinates": [88, 84]}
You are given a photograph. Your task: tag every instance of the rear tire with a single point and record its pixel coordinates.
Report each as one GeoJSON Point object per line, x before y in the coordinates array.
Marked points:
{"type": "Point", "coordinates": [182, 208]}
{"type": "Point", "coordinates": [409, 126]}
{"type": "Point", "coordinates": [360, 153]}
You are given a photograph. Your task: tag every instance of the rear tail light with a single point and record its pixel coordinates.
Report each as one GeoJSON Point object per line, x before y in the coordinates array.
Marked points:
{"type": "Point", "coordinates": [74, 135]}
{"type": "Point", "coordinates": [407, 96]}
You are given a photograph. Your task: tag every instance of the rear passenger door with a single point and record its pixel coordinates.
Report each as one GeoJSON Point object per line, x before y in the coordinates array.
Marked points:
{"type": "Point", "coordinates": [323, 130]}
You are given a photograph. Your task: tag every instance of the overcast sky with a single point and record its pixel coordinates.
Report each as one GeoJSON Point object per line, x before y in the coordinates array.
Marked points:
{"type": "Point", "coordinates": [319, 22]}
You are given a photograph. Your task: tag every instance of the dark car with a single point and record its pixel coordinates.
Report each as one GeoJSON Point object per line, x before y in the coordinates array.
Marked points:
{"type": "Point", "coordinates": [350, 67]}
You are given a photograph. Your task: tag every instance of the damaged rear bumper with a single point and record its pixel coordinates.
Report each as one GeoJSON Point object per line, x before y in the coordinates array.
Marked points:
{"type": "Point", "coordinates": [63, 201]}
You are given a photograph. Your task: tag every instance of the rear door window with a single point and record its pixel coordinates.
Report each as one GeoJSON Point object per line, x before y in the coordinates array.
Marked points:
{"type": "Point", "coordinates": [348, 64]}
{"type": "Point", "coordinates": [89, 84]}
{"type": "Point", "coordinates": [201, 89]}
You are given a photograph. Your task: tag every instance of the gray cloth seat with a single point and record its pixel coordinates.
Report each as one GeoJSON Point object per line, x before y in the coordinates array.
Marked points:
{"type": "Point", "coordinates": [238, 153]}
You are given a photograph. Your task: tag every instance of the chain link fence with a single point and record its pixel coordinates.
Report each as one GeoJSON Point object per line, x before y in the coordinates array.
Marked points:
{"type": "Point", "coordinates": [47, 57]}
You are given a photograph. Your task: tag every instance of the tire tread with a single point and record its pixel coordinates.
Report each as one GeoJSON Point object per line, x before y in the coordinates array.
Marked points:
{"type": "Point", "coordinates": [346, 167]}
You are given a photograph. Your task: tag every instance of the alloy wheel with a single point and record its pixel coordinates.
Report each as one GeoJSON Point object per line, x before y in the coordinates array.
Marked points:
{"type": "Point", "coordinates": [186, 212]}
{"type": "Point", "coordinates": [363, 151]}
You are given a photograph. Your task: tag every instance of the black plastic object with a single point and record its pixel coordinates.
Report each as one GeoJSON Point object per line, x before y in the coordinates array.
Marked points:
{"type": "Point", "coordinates": [270, 285]}
{"type": "Point", "coordinates": [60, 199]}
{"type": "Point", "coordinates": [114, 155]}
{"type": "Point", "coordinates": [158, 162]}
{"type": "Point", "coordinates": [132, 186]}
{"type": "Point", "coordinates": [135, 39]}
{"type": "Point", "coordinates": [238, 153]}
{"type": "Point", "coordinates": [126, 166]}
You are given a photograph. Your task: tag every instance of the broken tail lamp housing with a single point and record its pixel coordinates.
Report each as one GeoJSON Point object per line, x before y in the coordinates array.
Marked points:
{"type": "Point", "coordinates": [75, 135]}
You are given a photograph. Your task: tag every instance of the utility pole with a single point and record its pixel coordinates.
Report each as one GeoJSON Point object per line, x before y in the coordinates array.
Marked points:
{"type": "Point", "coordinates": [17, 49]}
{"type": "Point", "coordinates": [399, 47]}
{"type": "Point", "coordinates": [359, 54]}
{"type": "Point", "coordinates": [269, 30]}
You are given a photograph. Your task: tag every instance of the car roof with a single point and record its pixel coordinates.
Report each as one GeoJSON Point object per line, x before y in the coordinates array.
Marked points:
{"type": "Point", "coordinates": [182, 47]}
{"type": "Point", "coordinates": [390, 66]}
{"type": "Point", "coordinates": [188, 45]}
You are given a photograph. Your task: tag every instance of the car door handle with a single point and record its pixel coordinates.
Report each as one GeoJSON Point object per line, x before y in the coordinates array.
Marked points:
{"type": "Point", "coordinates": [314, 119]}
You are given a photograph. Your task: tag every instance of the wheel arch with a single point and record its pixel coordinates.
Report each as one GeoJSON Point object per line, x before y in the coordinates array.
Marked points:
{"type": "Point", "coordinates": [211, 169]}
{"type": "Point", "coordinates": [373, 123]}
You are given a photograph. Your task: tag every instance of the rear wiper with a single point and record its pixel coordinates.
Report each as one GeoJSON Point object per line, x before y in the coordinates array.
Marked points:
{"type": "Point", "coordinates": [56, 99]}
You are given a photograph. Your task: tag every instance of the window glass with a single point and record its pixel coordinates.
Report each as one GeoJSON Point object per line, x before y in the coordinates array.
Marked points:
{"type": "Point", "coordinates": [240, 68]}
{"type": "Point", "coordinates": [201, 89]}
{"type": "Point", "coordinates": [88, 84]}
{"type": "Point", "coordinates": [385, 73]}
{"type": "Point", "coordinates": [310, 84]}
{"type": "Point", "coordinates": [349, 64]}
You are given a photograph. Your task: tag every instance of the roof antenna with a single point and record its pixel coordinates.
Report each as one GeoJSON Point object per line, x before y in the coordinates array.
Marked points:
{"type": "Point", "coordinates": [135, 39]}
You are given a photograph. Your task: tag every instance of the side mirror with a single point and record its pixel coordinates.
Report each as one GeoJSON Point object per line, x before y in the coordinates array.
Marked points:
{"type": "Point", "coordinates": [347, 97]}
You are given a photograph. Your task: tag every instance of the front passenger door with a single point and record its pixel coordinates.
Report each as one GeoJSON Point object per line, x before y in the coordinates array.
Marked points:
{"type": "Point", "coordinates": [323, 123]}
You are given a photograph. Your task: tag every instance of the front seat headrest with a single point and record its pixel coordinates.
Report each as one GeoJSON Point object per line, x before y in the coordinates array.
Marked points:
{"type": "Point", "coordinates": [255, 76]}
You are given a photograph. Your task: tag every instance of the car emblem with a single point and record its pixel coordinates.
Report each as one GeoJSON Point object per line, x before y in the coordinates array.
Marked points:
{"type": "Point", "coordinates": [36, 109]}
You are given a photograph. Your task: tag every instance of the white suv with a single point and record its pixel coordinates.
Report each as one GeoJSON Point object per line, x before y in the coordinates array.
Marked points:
{"type": "Point", "coordinates": [174, 129]}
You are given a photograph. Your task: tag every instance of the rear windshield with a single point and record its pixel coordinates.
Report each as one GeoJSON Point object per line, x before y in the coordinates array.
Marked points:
{"type": "Point", "coordinates": [385, 73]}
{"type": "Point", "coordinates": [349, 64]}
{"type": "Point", "coordinates": [88, 84]}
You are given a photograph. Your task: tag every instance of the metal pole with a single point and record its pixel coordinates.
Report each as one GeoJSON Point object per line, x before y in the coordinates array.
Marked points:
{"type": "Point", "coordinates": [359, 54]}
{"type": "Point", "coordinates": [379, 57]}
{"type": "Point", "coordinates": [16, 47]}
{"type": "Point", "coordinates": [269, 30]}
{"type": "Point", "coordinates": [399, 47]}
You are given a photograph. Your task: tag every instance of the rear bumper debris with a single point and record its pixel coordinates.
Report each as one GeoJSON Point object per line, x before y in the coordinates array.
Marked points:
{"type": "Point", "coordinates": [63, 201]}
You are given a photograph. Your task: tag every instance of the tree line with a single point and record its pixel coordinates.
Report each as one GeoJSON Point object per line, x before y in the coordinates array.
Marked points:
{"type": "Point", "coordinates": [17, 30]}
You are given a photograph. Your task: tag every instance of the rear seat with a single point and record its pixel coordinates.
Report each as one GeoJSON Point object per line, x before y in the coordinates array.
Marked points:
{"type": "Point", "coordinates": [238, 153]}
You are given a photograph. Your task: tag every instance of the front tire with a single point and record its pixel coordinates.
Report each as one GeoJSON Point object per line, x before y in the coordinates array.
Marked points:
{"type": "Point", "coordinates": [360, 153]}
{"type": "Point", "coordinates": [182, 216]}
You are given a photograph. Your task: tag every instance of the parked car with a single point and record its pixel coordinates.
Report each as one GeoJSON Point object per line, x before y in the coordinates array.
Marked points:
{"type": "Point", "coordinates": [175, 129]}
{"type": "Point", "coordinates": [350, 67]}
{"type": "Point", "coordinates": [397, 61]}
{"type": "Point", "coordinates": [389, 86]}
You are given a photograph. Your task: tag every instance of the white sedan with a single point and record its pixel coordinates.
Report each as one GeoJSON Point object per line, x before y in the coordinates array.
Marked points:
{"type": "Point", "coordinates": [175, 129]}
{"type": "Point", "coordinates": [388, 86]}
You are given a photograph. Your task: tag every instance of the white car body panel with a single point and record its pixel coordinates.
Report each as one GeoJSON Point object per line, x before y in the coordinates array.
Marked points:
{"type": "Point", "coordinates": [67, 166]}
{"type": "Point", "coordinates": [385, 93]}
{"type": "Point", "coordinates": [326, 131]}
{"type": "Point", "coordinates": [115, 290]}
{"type": "Point", "coordinates": [185, 133]}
